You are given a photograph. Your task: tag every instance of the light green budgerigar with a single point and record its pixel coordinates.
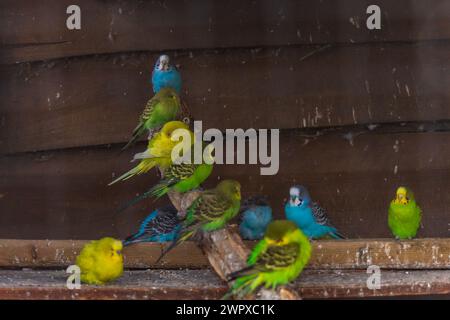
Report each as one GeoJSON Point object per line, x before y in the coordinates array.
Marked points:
{"type": "Point", "coordinates": [162, 108]}
{"type": "Point", "coordinates": [404, 215]}
{"type": "Point", "coordinates": [212, 210]}
{"type": "Point", "coordinates": [277, 259]}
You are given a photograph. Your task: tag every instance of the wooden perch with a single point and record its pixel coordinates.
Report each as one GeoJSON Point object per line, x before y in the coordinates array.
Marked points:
{"type": "Point", "coordinates": [358, 254]}
{"type": "Point", "coordinates": [204, 284]}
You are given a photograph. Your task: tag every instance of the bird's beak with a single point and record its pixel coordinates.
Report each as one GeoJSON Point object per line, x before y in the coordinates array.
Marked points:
{"type": "Point", "coordinates": [401, 198]}
{"type": "Point", "coordinates": [295, 201]}
{"type": "Point", "coordinates": [163, 65]}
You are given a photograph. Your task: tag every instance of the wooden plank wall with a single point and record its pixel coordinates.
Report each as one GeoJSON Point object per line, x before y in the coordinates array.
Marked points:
{"type": "Point", "coordinates": [360, 111]}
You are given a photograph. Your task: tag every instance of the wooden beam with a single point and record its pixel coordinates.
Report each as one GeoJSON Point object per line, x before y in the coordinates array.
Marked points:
{"type": "Point", "coordinates": [108, 27]}
{"type": "Point", "coordinates": [204, 284]}
{"type": "Point", "coordinates": [327, 254]}
{"type": "Point", "coordinates": [98, 99]}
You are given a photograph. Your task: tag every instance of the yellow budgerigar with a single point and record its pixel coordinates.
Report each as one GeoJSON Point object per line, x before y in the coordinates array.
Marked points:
{"type": "Point", "coordinates": [158, 151]}
{"type": "Point", "coordinates": [101, 261]}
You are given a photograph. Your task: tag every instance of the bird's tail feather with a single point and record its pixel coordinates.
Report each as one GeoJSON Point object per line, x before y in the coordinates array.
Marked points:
{"type": "Point", "coordinates": [337, 235]}
{"type": "Point", "coordinates": [161, 188]}
{"type": "Point", "coordinates": [241, 287]}
{"type": "Point", "coordinates": [185, 236]}
{"type": "Point", "coordinates": [127, 175]}
{"type": "Point", "coordinates": [137, 132]}
{"type": "Point", "coordinates": [134, 238]}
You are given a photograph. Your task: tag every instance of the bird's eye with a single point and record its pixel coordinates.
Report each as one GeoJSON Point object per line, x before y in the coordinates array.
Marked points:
{"type": "Point", "coordinates": [186, 120]}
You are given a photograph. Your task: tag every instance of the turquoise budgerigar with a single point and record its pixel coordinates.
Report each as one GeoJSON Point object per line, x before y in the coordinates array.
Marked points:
{"type": "Point", "coordinates": [165, 106]}
{"type": "Point", "coordinates": [165, 75]}
{"type": "Point", "coordinates": [277, 259]}
{"type": "Point", "coordinates": [404, 215]}
{"type": "Point", "coordinates": [210, 211]}
{"type": "Point", "coordinates": [161, 225]}
{"type": "Point", "coordinates": [256, 215]}
{"type": "Point", "coordinates": [309, 216]}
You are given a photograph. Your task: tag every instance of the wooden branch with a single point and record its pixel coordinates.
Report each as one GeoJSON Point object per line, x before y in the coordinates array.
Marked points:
{"type": "Point", "coordinates": [327, 254]}
{"type": "Point", "coordinates": [204, 284]}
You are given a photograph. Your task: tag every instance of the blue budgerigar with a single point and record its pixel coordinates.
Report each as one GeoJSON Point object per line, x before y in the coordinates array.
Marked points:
{"type": "Point", "coordinates": [256, 215]}
{"type": "Point", "coordinates": [161, 225]}
{"type": "Point", "coordinates": [165, 75]}
{"type": "Point", "coordinates": [309, 216]}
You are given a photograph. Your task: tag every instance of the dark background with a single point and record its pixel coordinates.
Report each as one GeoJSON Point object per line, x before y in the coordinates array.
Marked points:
{"type": "Point", "coordinates": [360, 111]}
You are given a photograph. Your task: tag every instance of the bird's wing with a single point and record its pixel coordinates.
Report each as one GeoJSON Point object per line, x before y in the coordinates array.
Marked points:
{"type": "Point", "coordinates": [320, 214]}
{"type": "Point", "coordinates": [162, 224]}
{"type": "Point", "coordinates": [208, 207]}
{"type": "Point", "coordinates": [276, 257]}
{"type": "Point", "coordinates": [179, 172]}
{"type": "Point", "coordinates": [149, 107]}
{"type": "Point", "coordinates": [271, 257]}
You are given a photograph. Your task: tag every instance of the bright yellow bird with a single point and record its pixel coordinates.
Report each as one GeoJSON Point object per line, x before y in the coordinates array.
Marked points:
{"type": "Point", "coordinates": [158, 151]}
{"type": "Point", "coordinates": [101, 261]}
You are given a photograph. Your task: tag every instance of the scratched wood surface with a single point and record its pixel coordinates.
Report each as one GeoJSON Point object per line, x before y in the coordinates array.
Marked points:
{"type": "Point", "coordinates": [204, 284]}
{"type": "Point", "coordinates": [124, 26]}
{"type": "Point", "coordinates": [428, 253]}
{"type": "Point", "coordinates": [97, 99]}
{"type": "Point", "coordinates": [64, 194]}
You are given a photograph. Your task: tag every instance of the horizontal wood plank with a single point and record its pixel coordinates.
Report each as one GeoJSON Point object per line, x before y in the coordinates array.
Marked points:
{"type": "Point", "coordinates": [327, 254]}
{"type": "Point", "coordinates": [64, 194]}
{"type": "Point", "coordinates": [204, 284]}
{"type": "Point", "coordinates": [98, 99]}
{"type": "Point", "coordinates": [37, 31]}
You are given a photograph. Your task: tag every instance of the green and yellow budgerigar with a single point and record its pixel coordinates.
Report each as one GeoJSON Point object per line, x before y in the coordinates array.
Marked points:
{"type": "Point", "coordinates": [404, 215]}
{"type": "Point", "coordinates": [182, 177]}
{"type": "Point", "coordinates": [212, 210]}
{"type": "Point", "coordinates": [101, 261]}
{"type": "Point", "coordinates": [159, 150]}
{"type": "Point", "coordinates": [277, 259]}
{"type": "Point", "coordinates": [162, 108]}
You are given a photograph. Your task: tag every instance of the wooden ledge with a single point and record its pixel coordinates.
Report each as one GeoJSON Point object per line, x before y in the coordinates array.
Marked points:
{"type": "Point", "coordinates": [205, 284]}
{"type": "Point", "coordinates": [344, 254]}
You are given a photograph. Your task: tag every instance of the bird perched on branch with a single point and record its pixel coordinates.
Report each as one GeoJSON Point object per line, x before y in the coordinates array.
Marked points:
{"type": "Point", "coordinates": [161, 225]}
{"type": "Point", "coordinates": [165, 75]}
{"type": "Point", "coordinates": [404, 215]}
{"type": "Point", "coordinates": [101, 261]}
{"type": "Point", "coordinates": [163, 107]}
{"type": "Point", "coordinates": [277, 259]}
{"type": "Point", "coordinates": [159, 150]}
{"type": "Point", "coordinates": [182, 177]}
{"type": "Point", "coordinates": [210, 211]}
{"type": "Point", "coordinates": [309, 216]}
{"type": "Point", "coordinates": [256, 215]}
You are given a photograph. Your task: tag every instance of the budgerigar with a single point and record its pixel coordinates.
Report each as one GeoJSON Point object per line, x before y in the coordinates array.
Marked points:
{"type": "Point", "coordinates": [309, 216]}
{"type": "Point", "coordinates": [210, 211]}
{"type": "Point", "coordinates": [159, 150]}
{"type": "Point", "coordinates": [165, 75]}
{"type": "Point", "coordinates": [277, 259]}
{"type": "Point", "coordinates": [182, 177]}
{"type": "Point", "coordinates": [101, 261]}
{"type": "Point", "coordinates": [404, 215]}
{"type": "Point", "coordinates": [161, 225]}
{"type": "Point", "coordinates": [163, 107]}
{"type": "Point", "coordinates": [256, 215]}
